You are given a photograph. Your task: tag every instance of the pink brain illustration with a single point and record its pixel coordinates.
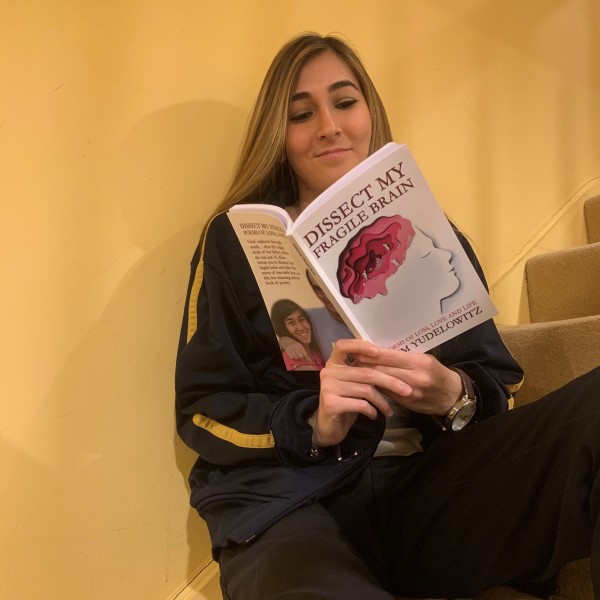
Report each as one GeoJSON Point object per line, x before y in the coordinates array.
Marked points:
{"type": "Point", "coordinates": [373, 255]}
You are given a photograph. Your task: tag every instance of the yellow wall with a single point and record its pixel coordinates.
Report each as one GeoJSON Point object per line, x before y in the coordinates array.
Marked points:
{"type": "Point", "coordinates": [119, 121]}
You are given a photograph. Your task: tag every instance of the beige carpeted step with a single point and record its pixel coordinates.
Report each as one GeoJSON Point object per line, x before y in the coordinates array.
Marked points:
{"type": "Point", "coordinates": [552, 353]}
{"type": "Point", "coordinates": [591, 210]}
{"type": "Point", "coordinates": [564, 284]}
{"type": "Point", "coordinates": [575, 581]}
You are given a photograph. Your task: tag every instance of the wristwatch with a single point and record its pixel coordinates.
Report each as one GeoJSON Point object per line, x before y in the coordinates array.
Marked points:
{"type": "Point", "coordinates": [461, 414]}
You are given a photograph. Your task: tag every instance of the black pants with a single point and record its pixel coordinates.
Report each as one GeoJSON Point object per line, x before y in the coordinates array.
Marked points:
{"type": "Point", "coordinates": [508, 500]}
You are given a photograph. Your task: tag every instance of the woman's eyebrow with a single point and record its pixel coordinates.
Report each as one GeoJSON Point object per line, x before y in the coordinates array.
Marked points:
{"type": "Point", "coordinates": [341, 84]}
{"type": "Point", "coordinates": [332, 88]}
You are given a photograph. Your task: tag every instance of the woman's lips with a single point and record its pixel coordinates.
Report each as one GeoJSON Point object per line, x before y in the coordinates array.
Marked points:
{"type": "Point", "coordinates": [332, 152]}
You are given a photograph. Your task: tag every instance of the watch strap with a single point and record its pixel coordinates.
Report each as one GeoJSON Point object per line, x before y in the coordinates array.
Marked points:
{"type": "Point", "coordinates": [467, 396]}
{"type": "Point", "coordinates": [467, 384]}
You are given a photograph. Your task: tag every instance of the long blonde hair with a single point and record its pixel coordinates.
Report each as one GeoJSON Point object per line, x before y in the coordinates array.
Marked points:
{"type": "Point", "coordinates": [261, 166]}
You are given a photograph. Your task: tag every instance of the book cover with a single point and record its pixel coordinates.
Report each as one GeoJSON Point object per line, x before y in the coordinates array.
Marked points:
{"type": "Point", "coordinates": [381, 249]}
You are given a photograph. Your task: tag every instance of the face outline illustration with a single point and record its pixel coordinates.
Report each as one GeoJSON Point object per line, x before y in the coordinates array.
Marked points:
{"type": "Point", "coordinates": [436, 262]}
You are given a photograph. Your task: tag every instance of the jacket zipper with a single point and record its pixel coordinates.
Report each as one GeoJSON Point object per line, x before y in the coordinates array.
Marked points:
{"type": "Point", "coordinates": [319, 493]}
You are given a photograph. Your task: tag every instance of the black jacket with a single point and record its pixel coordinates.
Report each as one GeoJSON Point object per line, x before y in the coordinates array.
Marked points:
{"type": "Point", "coordinates": [246, 416]}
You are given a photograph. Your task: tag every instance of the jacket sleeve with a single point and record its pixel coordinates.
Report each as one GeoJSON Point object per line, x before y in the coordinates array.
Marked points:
{"type": "Point", "coordinates": [482, 354]}
{"type": "Point", "coordinates": [235, 402]}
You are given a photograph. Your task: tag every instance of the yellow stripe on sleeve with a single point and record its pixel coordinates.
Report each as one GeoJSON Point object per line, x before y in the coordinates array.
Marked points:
{"type": "Point", "coordinates": [513, 389]}
{"type": "Point", "coordinates": [515, 386]}
{"type": "Point", "coordinates": [243, 440]}
{"type": "Point", "coordinates": [192, 324]}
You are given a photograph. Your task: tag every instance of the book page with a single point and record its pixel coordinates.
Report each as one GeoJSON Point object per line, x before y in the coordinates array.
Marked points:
{"type": "Point", "coordinates": [303, 325]}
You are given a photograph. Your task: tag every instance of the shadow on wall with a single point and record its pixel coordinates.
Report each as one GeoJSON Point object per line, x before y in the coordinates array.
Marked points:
{"type": "Point", "coordinates": [109, 417]}
{"type": "Point", "coordinates": [173, 168]}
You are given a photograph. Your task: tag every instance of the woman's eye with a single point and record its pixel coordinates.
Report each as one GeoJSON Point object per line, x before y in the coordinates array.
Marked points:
{"type": "Point", "coordinates": [300, 117]}
{"type": "Point", "coordinates": [346, 104]}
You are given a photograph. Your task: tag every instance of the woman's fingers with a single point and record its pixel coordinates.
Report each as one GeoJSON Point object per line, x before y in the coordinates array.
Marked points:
{"type": "Point", "coordinates": [346, 392]}
{"type": "Point", "coordinates": [336, 414]}
{"type": "Point", "coordinates": [346, 352]}
{"type": "Point", "coordinates": [435, 388]}
{"type": "Point", "coordinates": [358, 374]}
{"type": "Point", "coordinates": [414, 380]}
{"type": "Point", "coordinates": [358, 383]}
{"type": "Point", "coordinates": [354, 397]}
{"type": "Point", "coordinates": [345, 405]}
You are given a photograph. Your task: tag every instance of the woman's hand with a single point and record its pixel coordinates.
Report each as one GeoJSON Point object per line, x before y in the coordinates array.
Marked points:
{"type": "Point", "coordinates": [415, 381]}
{"type": "Point", "coordinates": [434, 388]}
{"type": "Point", "coordinates": [347, 391]}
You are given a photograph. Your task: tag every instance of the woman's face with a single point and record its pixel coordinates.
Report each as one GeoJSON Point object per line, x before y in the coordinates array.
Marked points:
{"type": "Point", "coordinates": [329, 125]}
{"type": "Point", "coordinates": [298, 327]}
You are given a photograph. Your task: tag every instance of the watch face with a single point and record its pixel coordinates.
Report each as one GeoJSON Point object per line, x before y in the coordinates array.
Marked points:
{"type": "Point", "coordinates": [463, 416]}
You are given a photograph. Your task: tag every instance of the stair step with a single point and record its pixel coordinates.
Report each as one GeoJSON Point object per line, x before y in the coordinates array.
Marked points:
{"type": "Point", "coordinates": [564, 284]}
{"type": "Point", "coordinates": [552, 353]}
{"type": "Point", "coordinates": [591, 210]}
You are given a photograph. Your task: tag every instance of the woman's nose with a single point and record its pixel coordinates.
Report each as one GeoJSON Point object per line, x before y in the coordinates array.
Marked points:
{"type": "Point", "coordinates": [328, 125]}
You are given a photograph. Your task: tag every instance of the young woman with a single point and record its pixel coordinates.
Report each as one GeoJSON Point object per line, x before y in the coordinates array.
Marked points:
{"type": "Point", "coordinates": [342, 484]}
{"type": "Point", "coordinates": [290, 320]}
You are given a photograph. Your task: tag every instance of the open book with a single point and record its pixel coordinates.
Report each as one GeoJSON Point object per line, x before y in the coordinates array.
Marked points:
{"type": "Point", "coordinates": [375, 251]}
